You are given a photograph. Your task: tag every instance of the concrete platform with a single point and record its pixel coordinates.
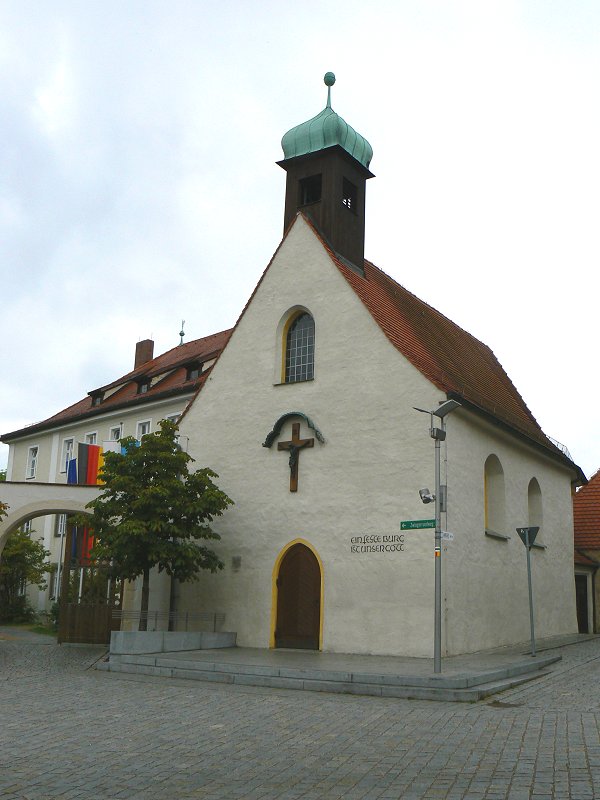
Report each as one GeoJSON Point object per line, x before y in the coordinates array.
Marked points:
{"type": "Point", "coordinates": [465, 678]}
{"type": "Point", "coordinates": [137, 642]}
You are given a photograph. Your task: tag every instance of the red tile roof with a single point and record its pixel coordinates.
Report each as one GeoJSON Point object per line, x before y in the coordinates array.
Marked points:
{"type": "Point", "coordinates": [586, 514]}
{"type": "Point", "coordinates": [169, 370]}
{"type": "Point", "coordinates": [452, 359]}
{"type": "Point", "coordinates": [584, 561]}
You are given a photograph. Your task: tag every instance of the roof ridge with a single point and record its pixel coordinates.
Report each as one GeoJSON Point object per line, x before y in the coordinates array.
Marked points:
{"type": "Point", "coordinates": [147, 365]}
{"type": "Point", "coordinates": [486, 348]}
{"type": "Point", "coordinates": [434, 366]}
{"type": "Point", "coordinates": [429, 306]}
{"type": "Point", "coordinates": [124, 396]}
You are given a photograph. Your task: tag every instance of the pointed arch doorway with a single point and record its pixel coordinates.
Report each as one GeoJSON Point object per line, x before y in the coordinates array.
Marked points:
{"type": "Point", "coordinates": [297, 602]}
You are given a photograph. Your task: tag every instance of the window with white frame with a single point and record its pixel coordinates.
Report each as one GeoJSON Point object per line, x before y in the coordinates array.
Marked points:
{"type": "Point", "coordinates": [142, 429]}
{"type": "Point", "coordinates": [60, 528]}
{"type": "Point", "coordinates": [174, 418]}
{"type": "Point", "coordinates": [32, 459]}
{"type": "Point", "coordinates": [67, 454]}
{"type": "Point", "coordinates": [115, 433]}
{"type": "Point", "coordinates": [90, 438]}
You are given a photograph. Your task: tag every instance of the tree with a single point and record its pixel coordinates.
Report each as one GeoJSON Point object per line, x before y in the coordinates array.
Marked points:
{"type": "Point", "coordinates": [154, 512]}
{"type": "Point", "coordinates": [23, 561]}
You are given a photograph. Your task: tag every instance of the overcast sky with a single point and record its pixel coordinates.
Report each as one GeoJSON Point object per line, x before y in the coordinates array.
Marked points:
{"type": "Point", "coordinates": [138, 182]}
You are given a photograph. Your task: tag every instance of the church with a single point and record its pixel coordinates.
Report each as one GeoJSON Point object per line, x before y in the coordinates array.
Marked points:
{"type": "Point", "coordinates": [309, 418]}
{"type": "Point", "coordinates": [312, 416]}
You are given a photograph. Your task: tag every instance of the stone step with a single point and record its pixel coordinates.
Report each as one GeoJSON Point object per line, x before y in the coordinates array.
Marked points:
{"type": "Point", "coordinates": [464, 688]}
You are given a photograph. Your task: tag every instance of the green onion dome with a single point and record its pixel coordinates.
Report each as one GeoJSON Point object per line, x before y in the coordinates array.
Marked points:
{"type": "Point", "coordinates": [326, 130]}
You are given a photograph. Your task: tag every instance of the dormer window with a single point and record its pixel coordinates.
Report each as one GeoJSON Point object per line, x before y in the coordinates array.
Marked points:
{"type": "Point", "coordinates": [310, 190]}
{"type": "Point", "coordinates": [97, 398]}
{"type": "Point", "coordinates": [143, 387]}
{"type": "Point", "coordinates": [193, 372]}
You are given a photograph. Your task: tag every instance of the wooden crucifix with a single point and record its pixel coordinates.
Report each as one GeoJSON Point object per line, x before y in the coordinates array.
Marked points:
{"type": "Point", "coordinates": [294, 446]}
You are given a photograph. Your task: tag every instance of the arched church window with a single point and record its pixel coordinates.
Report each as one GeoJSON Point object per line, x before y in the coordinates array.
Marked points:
{"type": "Point", "coordinates": [495, 499]}
{"type": "Point", "coordinates": [300, 349]}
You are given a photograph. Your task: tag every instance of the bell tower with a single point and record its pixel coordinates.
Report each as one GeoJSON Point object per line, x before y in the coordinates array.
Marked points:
{"type": "Point", "coordinates": [327, 165]}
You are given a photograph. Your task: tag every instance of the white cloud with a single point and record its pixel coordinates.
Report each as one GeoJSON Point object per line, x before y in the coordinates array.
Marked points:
{"type": "Point", "coordinates": [143, 188]}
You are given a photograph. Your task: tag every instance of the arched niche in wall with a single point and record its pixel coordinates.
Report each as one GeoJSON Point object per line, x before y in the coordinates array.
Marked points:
{"type": "Point", "coordinates": [495, 496]}
{"type": "Point", "coordinates": [534, 504]}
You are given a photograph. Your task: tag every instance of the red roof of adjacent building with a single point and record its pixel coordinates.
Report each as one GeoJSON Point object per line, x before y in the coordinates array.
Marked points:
{"type": "Point", "coordinates": [584, 561]}
{"type": "Point", "coordinates": [586, 515]}
{"type": "Point", "coordinates": [166, 376]}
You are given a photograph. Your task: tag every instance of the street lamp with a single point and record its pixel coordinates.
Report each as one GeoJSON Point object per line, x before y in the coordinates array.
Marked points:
{"type": "Point", "coordinates": [438, 435]}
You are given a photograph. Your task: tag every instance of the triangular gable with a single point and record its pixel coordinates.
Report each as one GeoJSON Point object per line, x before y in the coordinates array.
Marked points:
{"type": "Point", "coordinates": [448, 356]}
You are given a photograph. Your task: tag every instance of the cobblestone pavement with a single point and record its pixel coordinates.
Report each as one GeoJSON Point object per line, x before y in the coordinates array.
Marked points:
{"type": "Point", "coordinates": [67, 731]}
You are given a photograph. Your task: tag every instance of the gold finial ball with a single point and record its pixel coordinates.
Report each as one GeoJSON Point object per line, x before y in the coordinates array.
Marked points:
{"type": "Point", "coordinates": [329, 79]}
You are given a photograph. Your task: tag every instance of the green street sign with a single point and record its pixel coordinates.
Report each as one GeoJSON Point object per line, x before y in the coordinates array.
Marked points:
{"type": "Point", "coordinates": [415, 524]}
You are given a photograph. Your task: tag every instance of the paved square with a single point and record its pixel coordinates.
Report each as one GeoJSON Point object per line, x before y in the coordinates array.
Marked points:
{"type": "Point", "coordinates": [67, 731]}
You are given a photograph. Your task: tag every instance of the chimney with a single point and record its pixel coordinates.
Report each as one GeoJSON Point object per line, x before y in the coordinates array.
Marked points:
{"type": "Point", "coordinates": [144, 351]}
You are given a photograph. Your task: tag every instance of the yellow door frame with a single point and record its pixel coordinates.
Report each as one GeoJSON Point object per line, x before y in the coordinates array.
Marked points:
{"type": "Point", "coordinates": [275, 590]}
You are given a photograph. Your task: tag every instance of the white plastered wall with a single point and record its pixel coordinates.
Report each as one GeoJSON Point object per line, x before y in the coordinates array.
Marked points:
{"type": "Point", "coordinates": [363, 481]}
{"type": "Point", "coordinates": [485, 578]}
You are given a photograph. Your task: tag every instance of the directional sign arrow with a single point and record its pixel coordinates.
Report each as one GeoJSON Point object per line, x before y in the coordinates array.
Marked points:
{"type": "Point", "coordinates": [416, 524]}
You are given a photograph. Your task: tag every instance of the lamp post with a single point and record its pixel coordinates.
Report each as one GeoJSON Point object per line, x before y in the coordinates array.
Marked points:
{"type": "Point", "coordinates": [438, 435]}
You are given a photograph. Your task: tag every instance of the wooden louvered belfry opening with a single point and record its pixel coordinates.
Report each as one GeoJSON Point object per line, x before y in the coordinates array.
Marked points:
{"type": "Point", "coordinates": [298, 600]}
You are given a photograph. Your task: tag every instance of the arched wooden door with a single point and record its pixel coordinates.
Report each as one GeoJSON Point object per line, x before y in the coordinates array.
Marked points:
{"type": "Point", "coordinates": [298, 599]}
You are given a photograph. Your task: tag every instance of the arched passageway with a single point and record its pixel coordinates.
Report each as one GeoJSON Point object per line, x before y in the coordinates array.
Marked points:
{"type": "Point", "coordinates": [27, 501]}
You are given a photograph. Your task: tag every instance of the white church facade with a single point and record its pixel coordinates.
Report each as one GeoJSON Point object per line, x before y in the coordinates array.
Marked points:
{"type": "Point", "coordinates": [308, 417]}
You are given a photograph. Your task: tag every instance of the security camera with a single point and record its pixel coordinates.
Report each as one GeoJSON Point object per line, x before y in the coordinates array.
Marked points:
{"type": "Point", "coordinates": [426, 496]}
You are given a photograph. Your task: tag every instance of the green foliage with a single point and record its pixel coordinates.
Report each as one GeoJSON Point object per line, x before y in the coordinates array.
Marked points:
{"type": "Point", "coordinates": [23, 562]}
{"type": "Point", "coordinates": [16, 610]}
{"type": "Point", "coordinates": [44, 630]}
{"type": "Point", "coordinates": [152, 512]}
{"type": "Point", "coordinates": [85, 585]}
{"type": "Point", "coordinates": [54, 613]}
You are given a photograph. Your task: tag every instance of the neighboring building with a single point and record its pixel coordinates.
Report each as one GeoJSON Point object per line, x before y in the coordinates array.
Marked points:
{"type": "Point", "coordinates": [586, 513]}
{"type": "Point", "coordinates": [309, 419]}
{"type": "Point", "coordinates": [157, 388]}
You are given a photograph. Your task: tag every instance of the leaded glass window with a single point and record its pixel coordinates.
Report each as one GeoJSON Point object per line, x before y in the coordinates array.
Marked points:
{"type": "Point", "coordinates": [300, 350]}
